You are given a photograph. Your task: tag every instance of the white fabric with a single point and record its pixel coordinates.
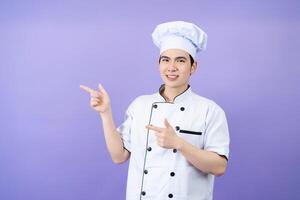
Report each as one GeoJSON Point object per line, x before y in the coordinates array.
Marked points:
{"type": "Point", "coordinates": [174, 42]}
{"type": "Point", "coordinates": [180, 35]}
{"type": "Point", "coordinates": [199, 115]}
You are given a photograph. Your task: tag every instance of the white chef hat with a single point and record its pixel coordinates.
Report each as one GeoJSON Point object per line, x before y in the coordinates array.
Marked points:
{"type": "Point", "coordinates": [179, 35]}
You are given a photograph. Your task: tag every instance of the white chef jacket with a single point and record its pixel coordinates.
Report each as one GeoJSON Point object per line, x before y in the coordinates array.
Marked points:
{"type": "Point", "coordinates": [156, 173]}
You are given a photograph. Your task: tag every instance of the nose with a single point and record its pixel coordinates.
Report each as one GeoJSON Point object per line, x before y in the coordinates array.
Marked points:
{"type": "Point", "coordinates": [172, 67]}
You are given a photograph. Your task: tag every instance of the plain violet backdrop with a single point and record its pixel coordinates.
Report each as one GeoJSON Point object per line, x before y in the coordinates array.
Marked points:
{"type": "Point", "coordinates": [51, 141]}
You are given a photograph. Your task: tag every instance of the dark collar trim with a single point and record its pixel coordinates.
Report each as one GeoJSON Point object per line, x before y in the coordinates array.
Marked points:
{"type": "Point", "coordinates": [162, 88]}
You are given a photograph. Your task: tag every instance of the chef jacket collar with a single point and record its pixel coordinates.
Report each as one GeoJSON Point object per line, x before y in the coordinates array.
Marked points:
{"type": "Point", "coordinates": [180, 97]}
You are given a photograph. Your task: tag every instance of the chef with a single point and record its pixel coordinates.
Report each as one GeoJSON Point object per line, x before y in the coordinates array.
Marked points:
{"type": "Point", "coordinates": [176, 140]}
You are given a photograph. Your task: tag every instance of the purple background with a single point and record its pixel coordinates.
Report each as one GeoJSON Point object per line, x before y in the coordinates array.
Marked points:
{"type": "Point", "coordinates": [51, 142]}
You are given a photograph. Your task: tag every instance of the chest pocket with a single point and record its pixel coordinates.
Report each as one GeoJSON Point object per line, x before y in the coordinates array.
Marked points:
{"type": "Point", "coordinates": [192, 135]}
{"type": "Point", "coordinates": [190, 132]}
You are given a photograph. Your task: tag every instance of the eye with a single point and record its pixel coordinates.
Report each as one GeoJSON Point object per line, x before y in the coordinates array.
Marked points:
{"type": "Point", "coordinates": [181, 60]}
{"type": "Point", "coordinates": [164, 60]}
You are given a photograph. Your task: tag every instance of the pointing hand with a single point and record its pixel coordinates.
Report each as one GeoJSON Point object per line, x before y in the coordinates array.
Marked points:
{"type": "Point", "coordinates": [165, 137]}
{"type": "Point", "coordinates": [99, 99]}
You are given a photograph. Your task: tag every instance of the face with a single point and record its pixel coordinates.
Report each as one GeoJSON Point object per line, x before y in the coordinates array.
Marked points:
{"type": "Point", "coordinates": [175, 68]}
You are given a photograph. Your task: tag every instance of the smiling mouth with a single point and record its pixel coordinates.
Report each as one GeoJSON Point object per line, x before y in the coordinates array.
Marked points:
{"type": "Point", "coordinates": [172, 77]}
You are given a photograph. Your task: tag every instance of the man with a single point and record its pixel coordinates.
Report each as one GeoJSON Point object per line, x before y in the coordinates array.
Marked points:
{"type": "Point", "coordinates": [176, 140]}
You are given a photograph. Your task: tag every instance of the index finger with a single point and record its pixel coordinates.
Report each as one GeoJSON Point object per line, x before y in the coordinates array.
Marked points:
{"type": "Point", "coordinates": [87, 89]}
{"type": "Point", "coordinates": [154, 128]}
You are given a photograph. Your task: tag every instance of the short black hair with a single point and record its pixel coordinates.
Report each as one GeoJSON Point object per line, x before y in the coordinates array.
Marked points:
{"type": "Point", "coordinates": [191, 59]}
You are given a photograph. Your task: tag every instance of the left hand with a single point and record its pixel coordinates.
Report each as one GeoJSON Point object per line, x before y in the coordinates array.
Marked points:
{"type": "Point", "coordinates": [166, 137]}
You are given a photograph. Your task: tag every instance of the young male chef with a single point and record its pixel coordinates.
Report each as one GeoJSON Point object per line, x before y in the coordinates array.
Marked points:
{"type": "Point", "coordinates": [176, 140]}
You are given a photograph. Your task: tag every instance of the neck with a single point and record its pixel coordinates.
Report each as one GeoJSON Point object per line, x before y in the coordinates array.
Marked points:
{"type": "Point", "coordinates": [170, 93]}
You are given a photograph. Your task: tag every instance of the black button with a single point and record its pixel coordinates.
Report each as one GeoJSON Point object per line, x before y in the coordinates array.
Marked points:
{"type": "Point", "coordinates": [172, 174]}
{"type": "Point", "coordinates": [177, 128]}
{"type": "Point", "coordinates": [146, 171]}
{"type": "Point", "coordinates": [143, 193]}
{"type": "Point", "coordinates": [174, 150]}
{"type": "Point", "coordinates": [154, 106]}
{"type": "Point", "coordinates": [149, 148]}
{"type": "Point", "coordinates": [182, 108]}
{"type": "Point", "coordinates": [170, 195]}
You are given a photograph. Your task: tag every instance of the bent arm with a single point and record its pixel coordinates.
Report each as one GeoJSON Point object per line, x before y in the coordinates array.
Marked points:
{"type": "Point", "coordinates": [206, 161]}
{"type": "Point", "coordinates": [113, 139]}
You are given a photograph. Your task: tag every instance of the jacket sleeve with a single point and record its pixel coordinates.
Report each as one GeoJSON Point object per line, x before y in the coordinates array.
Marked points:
{"type": "Point", "coordinates": [125, 128]}
{"type": "Point", "coordinates": [217, 133]}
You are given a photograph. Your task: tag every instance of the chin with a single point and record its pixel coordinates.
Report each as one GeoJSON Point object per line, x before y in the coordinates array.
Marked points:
{"type": "Point", "coordinates": [173, 85]}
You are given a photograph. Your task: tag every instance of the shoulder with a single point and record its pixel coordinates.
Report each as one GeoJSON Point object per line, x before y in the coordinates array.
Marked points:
{"type": "Point", "coordinates": [143, 100]}
{"type": "Point", "coordinates": [210, 105]}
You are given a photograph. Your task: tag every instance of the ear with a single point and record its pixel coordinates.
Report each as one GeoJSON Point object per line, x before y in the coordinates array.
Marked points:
{"type": "Point", "coordinates": [194, 67]}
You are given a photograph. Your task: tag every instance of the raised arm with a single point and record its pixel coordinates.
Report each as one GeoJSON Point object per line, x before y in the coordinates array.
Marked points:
{"type": "Point", "coordinates": [100, 102]}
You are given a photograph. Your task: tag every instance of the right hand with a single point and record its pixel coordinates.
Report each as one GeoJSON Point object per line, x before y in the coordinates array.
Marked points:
{"type": "Point", "coordinates": [99, 99]}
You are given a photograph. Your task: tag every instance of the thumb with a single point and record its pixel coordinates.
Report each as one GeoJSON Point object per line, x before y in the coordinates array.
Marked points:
{"type": "Point", "coordinates": [101, 89]}
{"type": "Point", "coordinates": [167, 124]}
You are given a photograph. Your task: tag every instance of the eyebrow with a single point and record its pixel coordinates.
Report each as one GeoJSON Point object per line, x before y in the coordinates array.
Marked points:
{"type": "Point", "coordinates": [177, 58]}
{"type": "Point", "coordinates": [180, 57]}
{"type": "Point", "coordinates": [163, 57]}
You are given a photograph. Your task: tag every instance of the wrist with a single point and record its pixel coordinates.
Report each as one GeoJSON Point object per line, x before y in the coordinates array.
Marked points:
{"type": "Point", "coordinates": [180, 143]}
{"type": "Point", "coordinates": [106, 114]}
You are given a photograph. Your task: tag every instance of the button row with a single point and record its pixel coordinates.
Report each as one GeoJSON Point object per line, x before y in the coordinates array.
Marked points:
{"type": "Point", "coordinates": [181, 108]}
{"type": "Point", "coordinates": [170, 195]}
{"type": "Point", "coordinates": [150, 149]}
{"type": "Point", "coordinates": [171, 174]}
